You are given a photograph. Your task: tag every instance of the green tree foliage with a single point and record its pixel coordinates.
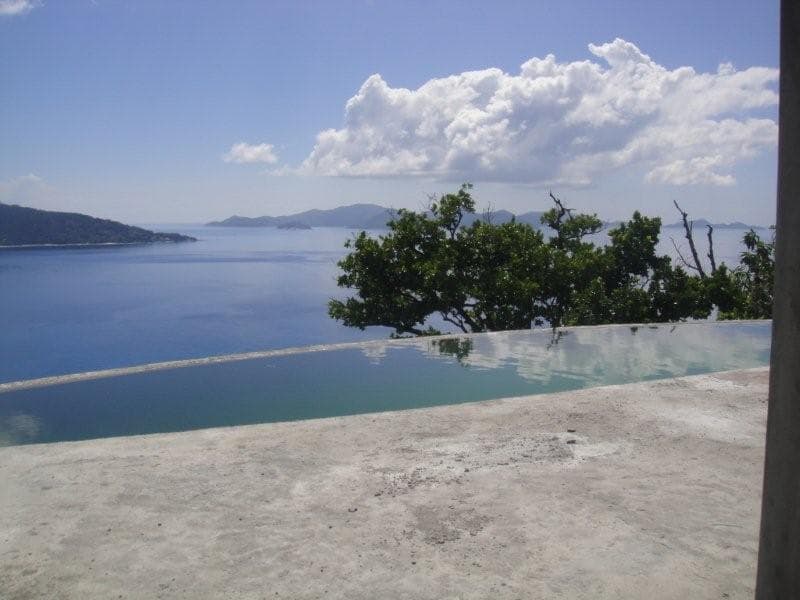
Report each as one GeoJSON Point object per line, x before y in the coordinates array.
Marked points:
{"type": "Point", "coordinates": [752, 282]}
{"type": "Point", "coordinates": [490, 277]}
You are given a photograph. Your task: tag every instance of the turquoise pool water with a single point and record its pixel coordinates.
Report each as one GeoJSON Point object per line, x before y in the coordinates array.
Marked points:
{"type": "Point", "coordinates": [371, 377]}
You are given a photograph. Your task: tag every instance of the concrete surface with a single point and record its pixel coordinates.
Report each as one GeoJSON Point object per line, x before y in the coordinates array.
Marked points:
{"type": "Point", "coordinates": [658, 497]}
{"type": "Point", "coordinates": [779, 556]}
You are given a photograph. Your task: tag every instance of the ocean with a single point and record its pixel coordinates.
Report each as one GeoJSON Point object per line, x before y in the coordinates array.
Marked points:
{"type": "Point", "coordinates": [67, 310]}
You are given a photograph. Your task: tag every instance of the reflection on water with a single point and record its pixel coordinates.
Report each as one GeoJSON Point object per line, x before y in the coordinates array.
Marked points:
{"type": "Point", "coordinates": [460, 348]}
{"type": "Point", "coordinates": [613, 354]}
{"type": "Point", "coordinates": [372, 377]}
{"type": "Point", "coordinates": [375, 353]}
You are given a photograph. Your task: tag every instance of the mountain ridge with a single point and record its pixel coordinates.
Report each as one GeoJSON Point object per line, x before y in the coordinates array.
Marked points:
{"type": "Point", "coordinates": [374, 216]}
{"type": "Point", "coordinates": [705, 222]}
{"type": "Point", "coordinates": [361, 215]}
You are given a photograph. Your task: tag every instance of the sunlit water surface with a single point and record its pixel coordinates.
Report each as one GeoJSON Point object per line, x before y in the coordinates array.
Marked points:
{"type": "Point", "coordinates": [376, 377]}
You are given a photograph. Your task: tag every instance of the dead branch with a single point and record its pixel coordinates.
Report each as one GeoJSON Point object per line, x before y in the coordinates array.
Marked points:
{"type": "Point", "coordinates": [488, 214]}
{"type": "Point", "coordinates": [687, 227]}
{"type": "Point", "coordinates": [685, 262]}
{"type": "Point", "coordinates": [711, 249]}
{"type": "Point", "coordinates": [562, 210]}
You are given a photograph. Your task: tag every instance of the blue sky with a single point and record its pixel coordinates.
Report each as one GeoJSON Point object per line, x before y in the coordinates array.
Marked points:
{"type": "Point", "coordinates": [152, 111]}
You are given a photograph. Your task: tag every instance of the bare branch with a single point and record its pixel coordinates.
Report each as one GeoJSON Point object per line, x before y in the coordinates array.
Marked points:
{"type": "Point", "coordinates": [488, 214]}
{"type": "Point", "coordinates": [711, 249]}
{"type": "Point", "coordinates": [562, 210]}
{"type": "Point", "coordinates": [687, 227]}
{"type": "Point", "coordinates": [683, 260]}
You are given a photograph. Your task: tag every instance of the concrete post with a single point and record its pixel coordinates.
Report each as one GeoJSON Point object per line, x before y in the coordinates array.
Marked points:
{"type": "Point", "coordinates": [779, 551]}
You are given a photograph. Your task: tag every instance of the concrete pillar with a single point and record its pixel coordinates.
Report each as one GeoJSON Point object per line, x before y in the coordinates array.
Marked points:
{"type": "Point", "coordinates": [779, 551]}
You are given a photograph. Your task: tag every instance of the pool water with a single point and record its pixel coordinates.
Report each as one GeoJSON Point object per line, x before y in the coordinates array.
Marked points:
{"type": "Point", "coordinates": [372, 377]}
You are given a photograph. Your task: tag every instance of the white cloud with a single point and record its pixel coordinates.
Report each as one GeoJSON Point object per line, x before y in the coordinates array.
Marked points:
{"type": "Point", "coordinates": [251, 153]}
{"type": "Point", "coordinates": [697, 170]}
{"type": "Point", "coordinates": [557, 123]}
{"type": "Point", "coordinates": [12, 8]}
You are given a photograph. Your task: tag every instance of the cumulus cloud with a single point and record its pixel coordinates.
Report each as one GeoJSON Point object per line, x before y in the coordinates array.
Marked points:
{"type": "Point", "coordinates": [12, 8]}
{"type": "Point", "coordinates": [251, 153]}
{"type": "Point", "coordinates": [554, 122]}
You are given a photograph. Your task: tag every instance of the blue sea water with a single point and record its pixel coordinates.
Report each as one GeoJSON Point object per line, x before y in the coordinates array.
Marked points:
{"type": "Point", "coordinates": [66, 310]}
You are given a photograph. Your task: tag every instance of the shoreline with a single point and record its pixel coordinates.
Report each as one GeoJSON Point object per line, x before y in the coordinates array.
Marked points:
{"type": "Point", "coordinates": [90, 244]}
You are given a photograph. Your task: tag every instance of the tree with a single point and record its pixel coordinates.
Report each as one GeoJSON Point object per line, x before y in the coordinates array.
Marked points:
{"type": "Point", "coordinates": [747, 291]}
{"type": "Point", "coordinates": [481, 278]}
{"type": "Point", "coordinates": [489, 277]}
{"type": "Point", "coordinates": [753, 281]}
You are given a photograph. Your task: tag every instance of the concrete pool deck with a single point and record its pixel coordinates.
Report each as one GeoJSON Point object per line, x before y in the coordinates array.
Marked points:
{"type": "Point", "coordinates": [655, 494]}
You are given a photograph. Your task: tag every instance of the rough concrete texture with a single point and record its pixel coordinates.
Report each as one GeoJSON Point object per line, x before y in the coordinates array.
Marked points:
{"type": "Point", "coordinates": [779, 556]}
{"type": "Point", "coordinates": [655, 494]}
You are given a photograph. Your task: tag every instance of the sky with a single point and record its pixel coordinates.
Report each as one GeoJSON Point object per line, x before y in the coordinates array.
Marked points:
{"type": "Point", "coordinates": [186, 111]}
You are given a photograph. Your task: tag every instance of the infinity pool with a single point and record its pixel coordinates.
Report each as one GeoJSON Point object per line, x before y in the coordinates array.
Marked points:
{"type": "Point", "coordinates": [370, 377]}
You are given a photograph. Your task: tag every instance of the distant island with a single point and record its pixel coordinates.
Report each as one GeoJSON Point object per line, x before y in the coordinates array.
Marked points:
{"type": "Point", "coordinates": [704, 222]}
{"type": "Point", "coordinates": [22, 226]}
{"type": "Point", "coordinates": [357, 216]}
{"type": "Point", "coordinates": [374, 216]}
{"type": "Point", "coordinates": [362, 216]}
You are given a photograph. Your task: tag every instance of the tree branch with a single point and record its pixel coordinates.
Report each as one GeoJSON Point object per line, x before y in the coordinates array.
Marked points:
{"type": "Point", "coordinates": [466, 318]}
{"type": "Point", "coordinates": [687, 227]}
{"type": "Point", "coordinates": [683, 260]}
{"type": "Point", "coordinates": [458, 324]}
{"type": "Point", "coordinates": [488, 214]}
{"type": "Point", "coordinates": [711, 249]}
{"type": "Point", "coordinates": [562, 210]}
